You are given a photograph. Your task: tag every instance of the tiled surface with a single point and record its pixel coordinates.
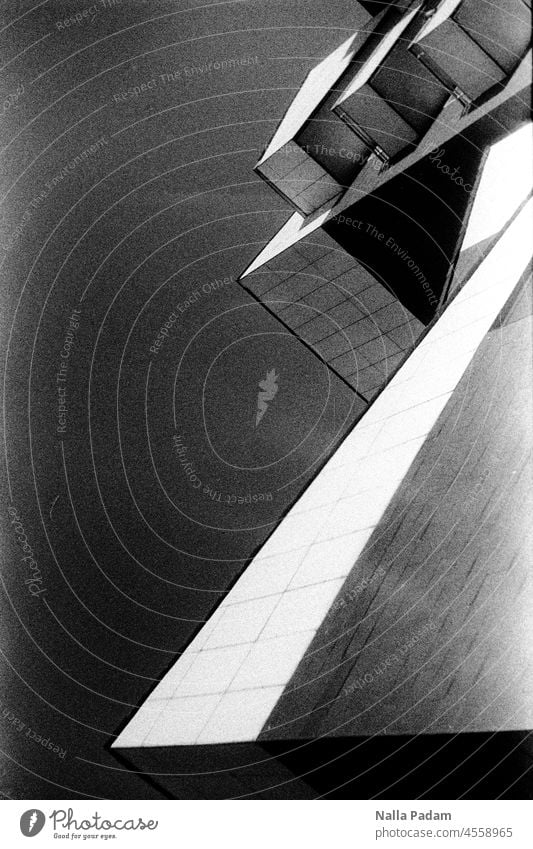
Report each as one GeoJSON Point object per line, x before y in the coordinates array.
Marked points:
{"type": "Point", "coordinates": [301, 608]}
{"type": "Point", "coordinates": [300, 178]}
{"type": "Point", "coordinates": [431, 632]}
{"type": "Point", "coordinates": [242, 622]}
{"type": "Point", "coordinates": [169, 684]}
{"type": "Point", "coordinates": [391, 432]}
{"type": "Point", "coordinates": [334, 153]}
{"type": "Point", "coordinates": [239, 715]}
{"type": "Point", "coordinates": [338, 308]}
{"type": "Point", "coordinates": [316, 86]}
{"type": "Point", "coordinates": [141, 724]}
{"type": "Point", "coordinates": [181, 720]}
{"type": "Point", "coordinates": [451, 122]}
{"type": "Point", "coordinates": [442, 634]}
{"type": "Point", "coordinates": [267, 575]}
{"type": "Point", "coordinates": [389, 36]}
{"type": "Point", "coordinates": [213, 670]}
{"type": "Point", "coordinates": [271, 662]}
{"type": "Point", "coordinates": [328, 560]}
{"type": "Point", "coordinates": [307, 182]}
{"type": "Point", "coordinates": [334, 145]}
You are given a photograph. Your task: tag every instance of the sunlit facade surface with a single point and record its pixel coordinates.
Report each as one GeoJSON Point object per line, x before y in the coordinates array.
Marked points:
{"type": "Point", "coordinates": [394, 597]}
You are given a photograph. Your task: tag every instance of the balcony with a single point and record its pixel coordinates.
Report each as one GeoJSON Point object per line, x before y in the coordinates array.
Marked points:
{"type": "Point", "coordinates": [472, 47]}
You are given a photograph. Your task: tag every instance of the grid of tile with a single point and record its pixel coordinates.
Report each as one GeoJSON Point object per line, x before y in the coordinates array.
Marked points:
{"type": "Point", "coordinates": [340, 310]}
{"type": "Point", "coordinates": [371, 112]}
{"type": "Point", "coordinates": [317, 86]}
{"type": "Point", "coordinates": [227, 683]}
{"type": "Point", "coordinates": [432, 629]}
{"type": "Point", "coordinates": [452, 122]}
{"type": "Point", "coordinates": [324, 141]}
{"type": "Point", "coordinates": [286, 163]}
{"type": "Point", "coordinates": [333, 144]}
{"type": "Point", "coordinates": [300, 178]}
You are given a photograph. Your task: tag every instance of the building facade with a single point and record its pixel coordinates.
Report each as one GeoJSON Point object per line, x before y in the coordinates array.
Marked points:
{"type": "Point", "coordinates": [379, 642]}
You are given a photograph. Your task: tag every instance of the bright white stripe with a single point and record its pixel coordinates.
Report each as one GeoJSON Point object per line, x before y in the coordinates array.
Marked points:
{"type": "Point", "coordinates": [377, 57]}
{"type": "Point", "coordinates": [369, 179]}
{"type": "Point", "coordinates": [506, 180]}
{"type": "Point", "coordinates": [293, 231]}
{"type": "Point", "coordinates": [446, 8]}
{"type": "Point", "coordinates": [315, 88]}
{"type": "Point", "coordinates": [246, 653]}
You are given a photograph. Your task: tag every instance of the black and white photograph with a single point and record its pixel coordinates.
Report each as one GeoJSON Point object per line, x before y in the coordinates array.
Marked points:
{"type": "Point", "coordinates": [267, 419]}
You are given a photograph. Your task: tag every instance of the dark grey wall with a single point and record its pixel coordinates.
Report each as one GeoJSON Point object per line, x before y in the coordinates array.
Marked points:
{"type": "Point", "coordinates": [183, 97]}
{"type": "Point", "coordinates": [429, 633]}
